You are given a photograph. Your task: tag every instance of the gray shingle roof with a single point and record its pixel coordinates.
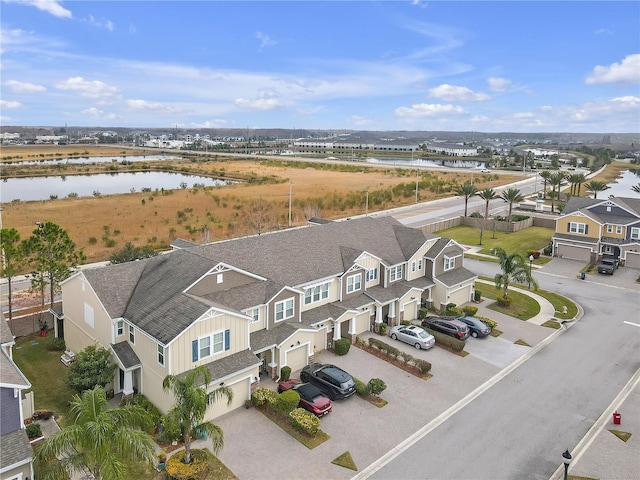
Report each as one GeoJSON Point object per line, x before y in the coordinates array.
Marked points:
{"type": "Point", "coordinates": [230, 365]}
{"type": "Point", "coordinates": [329, 311]}
{"type": "Point", "coordinates": [274, 336]}
{"type": "Point", "coordinates": [15, 448]}
{"type": "Point", "coordinates": [577, 238]}
{"type": "Point", "coordinates": [5, 332]}
{"type": "Point", "coordinates": [437, 247]}
{"type": "Point", "coordinates": [125, 354]}
{"type": "Point", "coordinates": [245, 296]}
{"type": "Point", "coordinates": [456, 276]}
{"type": "Point", "coordinates": [10, 374]}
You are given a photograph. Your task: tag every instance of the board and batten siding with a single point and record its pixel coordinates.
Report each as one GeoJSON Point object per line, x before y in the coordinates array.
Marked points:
{"type": "Point", "coordinates": [450, 251]}
{"type": "Point", "coordinates": [416, 257]}
{"type": "Point", "coordinates": [593, 227]}
{"type": "Point", "coordinates": [180, 354]}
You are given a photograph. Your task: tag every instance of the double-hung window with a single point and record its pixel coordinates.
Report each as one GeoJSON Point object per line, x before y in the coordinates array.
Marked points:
{"type": "Point", "coordinates": [255, 315]}
{"type": "Point", "coordinates": [160, 354]}
{"type": "Point", "coordinates": [284, 309]}
{"type": "Point", "coordinates": [354, 283]}
{"type": "Point", "coordinates": [120, 328]}
{"type": "Point", "coordinates": [449, 263]}
{"type": "Point", "coordinates": [635, 233]}
{"type": "Point", "coordinates": [210, 345]}
{"type": "Point", "coordinates": [420, 264]}
{"type": "Point", "coordinates": [132, 334]}
{"type": "Point", "coordinates": [395, 273]}
{"type": "Point", "coordinates": [576, 227]}
{"type": "Point", "coordinates": [371, 274]}
{"type": "Point", "coordinates": [317, 293]}
{"type": "Point", "coordinates": [618, 229]}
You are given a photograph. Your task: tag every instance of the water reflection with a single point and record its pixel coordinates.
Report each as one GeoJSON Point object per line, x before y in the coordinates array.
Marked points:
{"type": "Point", "coordinates": [623, 184]}
{"type": "Point", "coordinates": [43, 188]}
{"type": "Point", "coordinates": [83, 160]}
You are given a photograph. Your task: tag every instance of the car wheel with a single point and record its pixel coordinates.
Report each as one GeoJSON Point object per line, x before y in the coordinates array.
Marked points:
{"type": "Point", "coordinates": [418, 346]}
{"type": "Point", "coordinates": [474, 334]}
{"type": "Point", "coordinates": [394, 336]}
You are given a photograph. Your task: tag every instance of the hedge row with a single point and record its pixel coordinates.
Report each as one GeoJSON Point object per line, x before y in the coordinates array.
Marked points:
{"type": "Point", "coordinates": [286, 404]}
{"type": "Point", "coordinates": [448, 341]}
{"type": "Point", "coordinates": [394, 353]}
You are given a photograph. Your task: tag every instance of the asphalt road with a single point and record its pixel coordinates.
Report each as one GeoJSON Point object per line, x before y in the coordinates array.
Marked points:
{"type": "Point", "coordinates": [518, 428]}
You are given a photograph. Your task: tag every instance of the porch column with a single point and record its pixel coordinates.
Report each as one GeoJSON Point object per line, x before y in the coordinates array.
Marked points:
{"type": "Point", "coordinates": [392, 313]}
{"type": "Point", "coordinates": [378, 314]}
{"type": "Point", "coordinates": [273, 365]}
{"type": "Point", "coordinates": [127, 389]}
{"type": "Point", "coordinates": [352, 329]}
{"type": "Point", "coordinates": [336, 331]}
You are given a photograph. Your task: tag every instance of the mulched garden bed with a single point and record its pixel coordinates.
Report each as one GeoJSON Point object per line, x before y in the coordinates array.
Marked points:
{"type": "Point", "coordinates": [412, 369]}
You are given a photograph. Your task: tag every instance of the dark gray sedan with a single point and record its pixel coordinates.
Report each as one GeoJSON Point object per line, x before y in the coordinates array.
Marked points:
{"type": "Point", "coordinates": [477, 327]}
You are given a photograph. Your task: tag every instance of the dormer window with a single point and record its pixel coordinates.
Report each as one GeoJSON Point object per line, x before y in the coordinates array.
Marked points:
{"type": "Point", "coordinates": [395, 273]}
{"type": "Point", "coordinates": [354, 283]}
{"type": "Point", "coordinates": [449, 263]}
{"type": "Point", "coordinates": [284, 309]}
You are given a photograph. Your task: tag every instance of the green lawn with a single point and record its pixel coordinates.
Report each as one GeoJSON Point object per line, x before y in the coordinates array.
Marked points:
{"type": "Point", "coordinates": [532, 238]}
{"type": "Point", "coordinates": [522, 306]}
{"type": "Point", "coordinates": [45, 371]}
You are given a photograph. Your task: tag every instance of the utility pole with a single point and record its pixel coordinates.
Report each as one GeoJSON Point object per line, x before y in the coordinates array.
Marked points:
{"type": "Point", "coordinates": [366, 205]}
{"type": "Point", "coordinates": [290, 192]}
{"type": "Point", "coordinates": [417, 185]}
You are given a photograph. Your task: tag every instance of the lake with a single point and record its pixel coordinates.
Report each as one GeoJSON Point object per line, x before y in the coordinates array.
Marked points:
{"type": "Point", "coordinates": [89, 160]}
{"type": "Point", "coordinates": [42, 188]}
{"type": "Point", "coordinates": [622, 186]}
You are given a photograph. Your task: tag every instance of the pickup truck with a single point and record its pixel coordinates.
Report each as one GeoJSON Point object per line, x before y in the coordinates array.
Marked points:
{"type": "Point", "coordinates": [608, 265]}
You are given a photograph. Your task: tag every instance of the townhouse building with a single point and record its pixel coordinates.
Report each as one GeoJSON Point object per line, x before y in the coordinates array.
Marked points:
{"type": "Point", "coordinates": [244, 308]}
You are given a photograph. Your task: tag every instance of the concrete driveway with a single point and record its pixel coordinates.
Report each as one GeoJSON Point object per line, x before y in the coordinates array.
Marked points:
{"type": "Point", "coordinates": [257, 448]}
{"type": "Point", "coordinates": [624, 277]}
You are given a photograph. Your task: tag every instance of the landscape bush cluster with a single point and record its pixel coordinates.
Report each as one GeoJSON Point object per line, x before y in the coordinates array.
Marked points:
{"type": "Point", "coordinates": [504, 302]}
{"type": "Point", "coordinates": [375, 386]}
{"type": "Point", "coordinates": [286, 405]}
{"type": "Point", "coordinates": [304, 421]}
{"type": "Point", "coordinates": [421, 365]}
{"type": "Point", "coordinates": [198, 469]}
{"type": "Point", "coordinates": [447, 341]}
{"type": "Point", "coordinates": [341, 346]}
{"type": "Point", "coordinates": [56, 344]}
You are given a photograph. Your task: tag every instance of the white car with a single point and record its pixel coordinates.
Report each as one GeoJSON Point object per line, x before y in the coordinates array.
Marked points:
{"type": "Point", "coordinates": [485, 170]}
{"type": "Point", "coordinates": [413, 335]}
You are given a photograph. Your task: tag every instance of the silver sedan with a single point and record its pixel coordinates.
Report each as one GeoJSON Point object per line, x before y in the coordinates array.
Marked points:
{"type": "Point", "coordinates": [413, 335]}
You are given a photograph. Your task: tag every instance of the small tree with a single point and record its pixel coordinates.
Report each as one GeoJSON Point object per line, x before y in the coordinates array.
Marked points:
{"type": "Point", "coordinates": [259, 215]}
{"type": "Point", "coordinates": [91, 368]}
{"type": "Point", "coordinates": [12, 259]}
{"type": "Point", "coordinates": [376, 386]}
{"type": "Point", "coordinates": [514, 268]}
{"type": "Point", "coordinates": [130, 253]}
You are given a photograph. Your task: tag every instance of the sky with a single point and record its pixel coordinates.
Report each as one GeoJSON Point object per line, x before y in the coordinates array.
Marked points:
{"type": "Point", "coordinates": [505, 66]}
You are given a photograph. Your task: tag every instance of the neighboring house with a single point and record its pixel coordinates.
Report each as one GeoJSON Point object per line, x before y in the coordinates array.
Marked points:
{"type": "Point", "coordinates": [16, 453]}
{"type": "Point", "coordinates": [589, 228]}
{"type": "Point", "coordinates": [250, 306]}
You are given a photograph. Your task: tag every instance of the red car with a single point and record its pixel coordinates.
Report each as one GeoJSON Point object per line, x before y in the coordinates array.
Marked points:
{"type": "Point", "coordinates": [311, 398]}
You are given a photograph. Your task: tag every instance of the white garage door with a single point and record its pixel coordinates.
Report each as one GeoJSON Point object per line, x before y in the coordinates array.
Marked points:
{"type": "Point", "coordinates": [241, 392]}
{"type": "Point", "coordinates": [574, 253]}
{"type": "Point", "coordinates": [296, 358]}
{"type": "Point", "coordinates": [461, 296]}
{"type": "Point", "coordinates": [632, 260]}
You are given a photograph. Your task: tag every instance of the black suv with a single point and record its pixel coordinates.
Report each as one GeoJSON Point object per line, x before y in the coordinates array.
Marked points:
{"type": "Point", "coordinates": [332, 380]}
{"type": "Point", "coordinates": [450, 326]}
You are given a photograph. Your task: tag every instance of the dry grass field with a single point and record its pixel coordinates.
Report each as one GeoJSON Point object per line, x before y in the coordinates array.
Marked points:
{"type": "Point", "coordinates": [102, 225]}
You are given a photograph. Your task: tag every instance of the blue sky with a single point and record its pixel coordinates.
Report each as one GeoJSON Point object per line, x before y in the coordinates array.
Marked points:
{"type": "Point", "coordinates": [364, 65]}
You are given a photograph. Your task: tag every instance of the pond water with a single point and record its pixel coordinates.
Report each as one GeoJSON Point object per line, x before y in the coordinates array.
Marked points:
{"type": "Point", "coordinates": [622, 186]}
{"type": "Point", "coordinates": [43, 188]}
{"type": "Point", "coordinates": [402, 161]}
{"type": "Point", "coordinates": [83, 160]}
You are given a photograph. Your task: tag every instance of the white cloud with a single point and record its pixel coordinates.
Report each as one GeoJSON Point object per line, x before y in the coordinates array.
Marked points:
{"type": "Point", "coordinates": [523, 115]}
{"type": "Point", "coordinates": [9, 104]}
{"type": "Point", "coordinates": [108, 24]}
{"type": "Point", "coordinates": [259, 103]}
{"type": "Point", "coordinates": [429, 110]}
{"type": "Point", "coordinates": [87, 88]}
{"type": "Point", "coordinates": [499, 84]}
{"type": "Point", "coordinates": [50, 6]}
{"type": "Point", "coordinates": [217, 123]}
{"type": "Point", "coordinates": [100, 114]}
{"type": "Point", "coordinates": [265, 40]}
{"type": "Point", "coordinates": [358, 121]}
{"type": "Point", "coordinates": [144, 105]}
{"type": "Point", "coordinates": [24, 87]}
{"type": "Point", "coordinates": [626, 72]}
{"type": "Point", "coordinates": [451, 93]}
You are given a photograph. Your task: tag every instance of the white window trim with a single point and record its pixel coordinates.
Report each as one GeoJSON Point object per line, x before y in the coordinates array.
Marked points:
{"type": "Point", "coordinates": [609, 228]}
{"type": "Point", "coordinates": [420, 264]}
{"type": "Point", "coordinates": [255, 315]}
{"type": "Point", "coordinates": [618, 229]}
{"type": "Point", "coordinates": [354, 283]}
{"type": "Point", "coordinates": [284, 310]}
{"type": "Point", "coordinates": [372, 274]}
{"type": "Point", "coordinates": [132, 334]}
{"type": "Point", "coordinates": [575, 227]}
{"type": "Point", "coordinates": [212, 351]}
{"type": "Point", "coordinates": [449, 263]}
{"type": "Point", "coordinates": [635, 233]}
{"type": "Point", "coordinates": [119, 328]}
{"type": "Point", "coordinates": [159, 354]}
{"type": "Point", "coordinates": [316, 293]}
{"type": "Point", "coordinates": [413, 266]}
{"type": "Point", "coordinates": [395, 273]}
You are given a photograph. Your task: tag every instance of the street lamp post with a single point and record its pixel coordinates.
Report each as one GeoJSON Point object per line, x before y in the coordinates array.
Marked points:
{"type": "Point", "coordinates": [566, 458]}
{"type": "Point", "coordinates": [530, 264]}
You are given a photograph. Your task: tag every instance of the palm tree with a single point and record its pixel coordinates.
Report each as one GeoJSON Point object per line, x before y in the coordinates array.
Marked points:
{"type": "Point", "coordinates": [100, 439]}
{"type": "Point", "coordinates": [545, 175]}
{"type": "Point", "coordinates": [514, 269]}
{"type": "Point", "coordinates": [580, 179]}
{"type": "Point", "coordinates": [636, 188]}
{"type": "Point", "coordinates": [596, 186]}
{"type": "Point", "coordinates": [511, 196]}
{"type": "Point", "coordinates": [191, 406]}
{"type": "Point", "coordinates": [556, 180]}
{"type": "Point", "coordinates": [466, 190]}
{"type": "Point", "coordinates": [487, 195]}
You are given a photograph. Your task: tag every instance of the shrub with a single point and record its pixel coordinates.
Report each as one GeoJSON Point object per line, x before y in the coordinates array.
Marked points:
{"type": "Point", "coordinates": [285, 373]}
{"type": "Point", "coordinates": [452, 310]}
{"type": "Point", "coordinates": [263, 395]}
{"type": "Point", "coordinates": [393, 352]}
{"type": "Point", "coordinates": [535, 253]}
{"type": "Point", "coordinates": [377, 386]}
{"type": "Point", "coordinates": [362, 388]}
{"type": "Point", "coordinates": [287, 401]}
{"type": "Point", "coordinates": [504, 302]}
{"type": "Point", "coordinates": [56, 345]}
{"type": "Point", "coordinates": [382, 329]}
{"type": "Point", "coordinates": [154, 413]}
{"type": "Point", "coordinates": [305, 421]}
{"type": "Point", "coordinates": [406, 358]}
{"type": "Point", "coordinates": [548, 249]}
{"type": "Point", "coordinates": [477, 295]}
{"type": "Point", "coordinates": [341, 346]}
{"type": "Point", "coordinates": [470, 310]}
{"type": "Point", "coordinates": [170, 430]}
{"type": "Point", "coordinates": [34, 430]}
{"type": "Point", "coordinates": [198, 468]}
{"type": "Point", "coordinates": [406, 323]}
{"type": "Point", "coordinates": [491, 323]}
{"type": "Point", "coordinates": [422, 365]}
{"type": "Point", "coordinates": [422, 313]}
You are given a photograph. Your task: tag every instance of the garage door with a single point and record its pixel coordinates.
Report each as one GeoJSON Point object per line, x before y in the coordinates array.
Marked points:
{"type": "Point", "coordinates": [632, 260]}
{"type": "Point", "coordinates": [296, 358]}
{"type": "Point", "coordinates": [241, 392]}
{"type": "Point", "coordinates": [574, 253]}
{"type": "Point", "coordinates": [461, 296]}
